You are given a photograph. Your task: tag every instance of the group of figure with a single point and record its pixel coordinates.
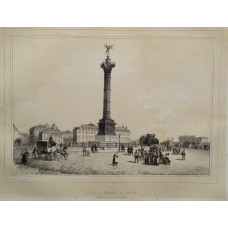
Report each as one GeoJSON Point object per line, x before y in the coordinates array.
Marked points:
{"type": "Point", "coordinates": [86, 152]}
{"type": "Point", "coordinates": [176, 150]}
{"type": "Point", "coordinates": [152, 157]}
{"type": "Point", "coordinates": [130, 150]}
{"type": "Point", "coordinates": [156, 158]}
{"type": "Point", "coordinates": [122, 148]}
{"type": "Point", "coordinates": [94, 149]}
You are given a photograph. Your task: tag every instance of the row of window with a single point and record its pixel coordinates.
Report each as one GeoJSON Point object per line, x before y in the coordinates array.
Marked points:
{"type": "Point", "coordinates": [88, 132]}
{"type": "Point", "coordinates": [85, 136]}
{"type": "Point", "coordinates": [53, 136]}
{"type": "Point", "coordinates": [95, 132]}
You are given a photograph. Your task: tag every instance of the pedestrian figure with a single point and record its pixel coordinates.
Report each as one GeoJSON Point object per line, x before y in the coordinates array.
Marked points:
{"type": "Point", "coordinates": [92, 149]}
{"type": "Point", "coordinates": [95, 148]}
{"type": "Point", "coordinates": [156, 159]}
{"type": "Point", "coordinates": [34, 152]}
{"type": "Point", "coordinates": [160, 158]}
{"type": "Point", "coordinates": [51, 141]}
{"type": "Point", "coordinates": [136, 155]}
{"type": "Point", "coordinates": [151, 159]}
{"type": "Point", "coordinates": [183, 155]}
{"type": "Point", "coordinates": [115, 159]}
{"type": "Point", "coordinates": [25, 155]}
{"type": "Point", "coordinates": [84, 151]}
{"type": "Point", "coordinates": [146, 156]}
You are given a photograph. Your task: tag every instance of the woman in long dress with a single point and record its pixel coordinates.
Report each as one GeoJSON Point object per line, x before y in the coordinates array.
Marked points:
{"type": "Point", "coordinates": [115, 159]}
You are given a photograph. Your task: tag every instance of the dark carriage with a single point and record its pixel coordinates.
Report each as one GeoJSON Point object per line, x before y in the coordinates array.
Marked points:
{"type": "Point", "coordinates": [43, 148]}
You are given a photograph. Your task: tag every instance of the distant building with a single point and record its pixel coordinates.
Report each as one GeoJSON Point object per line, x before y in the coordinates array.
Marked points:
{"type": "Point", "coordinates": [19, 138]}
{"type": "Point", "coordinates": [67, 138]}
{"type": "Point", "coordinates": [56, 134]}
{"type": "Point", "coordinates": [84, 135]}
{"type": "Point", "coordinates": [202, 139]}
{"type": "Point", "coordinates": [169, 143]}
{"type": "Point", "coordinates": [191, 141]}
{"type": "Point", "coordinates": [187, 141]}
{"type": "Point", "coordinates": [124, 134]}
{"type": "Point", "coordinates": [43, 132]}
{"type": "Point", "coordinates": [35, 133]}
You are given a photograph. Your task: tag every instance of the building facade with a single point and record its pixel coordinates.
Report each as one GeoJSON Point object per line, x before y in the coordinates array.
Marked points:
{"type": "Point", "coordinates": [187, 141]}
{"type": "Point", "coordinates": [202, 140]}
{"type": "Point", "coordinates": [124, 135]}
{"type": "Point", "coordinates": [19, 139]}
{"type": "Point", "coordinates": [191, 141]}
{"type": "Point", "coordinates": [67, 138]}
{"type": "Point", "coordinates": [35, 133]}
{"type": "Point", "coordinates": [86, 135]}
{"type": "Point", "coordinates": [43, 132]}
{"type": "Point", "coordinates": [56, 134]}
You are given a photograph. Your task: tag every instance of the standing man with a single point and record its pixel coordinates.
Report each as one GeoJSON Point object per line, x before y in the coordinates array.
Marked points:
{"type": "Point", "coordinates": [84, 151]}
{"type": "Point", "coordinates": [92, 149]}
{"type": "Point", "coordinates": [95, 147]}
{"type": "Point", "coordinates": [183, 155]}
{"type": "Point", "coordinates": [136, 155]}
{"type": "Point", "coordinates": [160, 157]}
{"type": "Point", "coordinates": [131, 150]}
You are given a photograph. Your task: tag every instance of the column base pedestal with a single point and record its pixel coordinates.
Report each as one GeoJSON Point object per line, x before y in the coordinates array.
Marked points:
{"type": "Point", "coordinates": [107, 141]}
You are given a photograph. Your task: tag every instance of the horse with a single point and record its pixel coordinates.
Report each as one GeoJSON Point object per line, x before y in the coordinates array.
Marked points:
{"type": "Point", "coordinates": [57, 154]}
{"type": "Point", "coordinates": [49, 152]}
{"type": "Point", "coordinates": [63, 152]}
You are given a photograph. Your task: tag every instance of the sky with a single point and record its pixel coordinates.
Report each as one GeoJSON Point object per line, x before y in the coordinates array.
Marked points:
{"type": "Point", "coordinates": [159, 86]}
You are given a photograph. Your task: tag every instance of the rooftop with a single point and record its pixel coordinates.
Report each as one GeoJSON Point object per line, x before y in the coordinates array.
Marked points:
{"type": "Point", "coordinates": [52, 131]}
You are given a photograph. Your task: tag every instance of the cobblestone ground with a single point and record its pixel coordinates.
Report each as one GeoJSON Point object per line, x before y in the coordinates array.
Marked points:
{"type": "Point", "coordinates": [196, 163]}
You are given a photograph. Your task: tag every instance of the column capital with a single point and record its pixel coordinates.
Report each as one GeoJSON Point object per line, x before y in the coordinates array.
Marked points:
{"type": "Point", "coordinates": [107, 65]}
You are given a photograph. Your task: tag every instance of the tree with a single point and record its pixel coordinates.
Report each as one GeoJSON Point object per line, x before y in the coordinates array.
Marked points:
{"type": "Point", "coordinates": [186, 144]}
{"type": "Point", "coordinates": [148, 140]}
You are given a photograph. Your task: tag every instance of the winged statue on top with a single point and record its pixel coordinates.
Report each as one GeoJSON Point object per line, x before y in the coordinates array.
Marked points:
{"type": "Point", "coordinates": [108, 47]}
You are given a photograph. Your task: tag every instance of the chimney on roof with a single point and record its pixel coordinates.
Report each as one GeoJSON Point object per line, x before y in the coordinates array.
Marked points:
{"type": "Point", "coordinates": [54, 127]}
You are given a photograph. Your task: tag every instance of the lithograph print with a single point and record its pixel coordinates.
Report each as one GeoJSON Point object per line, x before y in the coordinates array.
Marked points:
{"type": "Point", "coordinates": [114, 105]}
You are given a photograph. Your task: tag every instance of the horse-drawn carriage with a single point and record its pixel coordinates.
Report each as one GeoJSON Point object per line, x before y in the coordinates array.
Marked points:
{"type": "Point", "coordinates": [50, 151]}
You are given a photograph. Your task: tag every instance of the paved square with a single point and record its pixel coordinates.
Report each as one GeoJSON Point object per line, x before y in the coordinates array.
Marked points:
{"type": "Point", "coordinates": [196, 163]}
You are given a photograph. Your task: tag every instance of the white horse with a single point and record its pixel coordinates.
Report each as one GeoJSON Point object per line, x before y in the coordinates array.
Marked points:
{"type": "Point", "coordinates": [50, 151]}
